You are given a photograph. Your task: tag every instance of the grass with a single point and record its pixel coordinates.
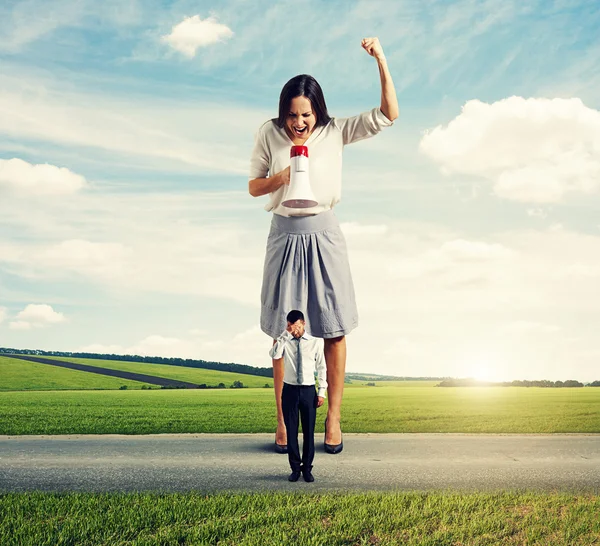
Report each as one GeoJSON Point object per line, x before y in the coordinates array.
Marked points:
{"type": "Point", "coordinates": [367, 409]}
{"type": "Point", "coordinates": [407, 518]}
{"type": "Point", "coordinates": [20, 375]}
{"type": "Point", "coordinates": [403, 384]}
{"type": "Point", "coordinates": [23, 375]}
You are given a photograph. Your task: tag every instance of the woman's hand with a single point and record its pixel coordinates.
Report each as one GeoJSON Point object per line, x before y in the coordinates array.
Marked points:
{"type": "Point", "coordinates": [284, 176]}
{"type": "Point", "coordinates": [373, 47]}
{"type": "Point", "coordinates": [262, 186]}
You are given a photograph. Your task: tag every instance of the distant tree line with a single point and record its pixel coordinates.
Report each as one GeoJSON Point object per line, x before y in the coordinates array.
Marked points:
{"type": "Point", "coordinates": [185, 362]}
{"type": "Point", "coordinates": [268, 372]}
{"type": "Point", "coordinates": [234, 385]}
{"type": "Point", "coordinates": [375, 377]}
{"type": "Point", "coordinates": [519, 383]}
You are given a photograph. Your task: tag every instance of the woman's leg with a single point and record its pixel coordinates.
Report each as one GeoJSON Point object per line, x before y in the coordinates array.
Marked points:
{"type": "Point", "coordinates": [335, 359]}
{"type": "Point", "coordinates": [281, 434]}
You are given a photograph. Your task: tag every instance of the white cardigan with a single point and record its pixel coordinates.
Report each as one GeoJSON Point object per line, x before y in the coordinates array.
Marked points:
{"type": "Point", "coordinates": [271, 155]}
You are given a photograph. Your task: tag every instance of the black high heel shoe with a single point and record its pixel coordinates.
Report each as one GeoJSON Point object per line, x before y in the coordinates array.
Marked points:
{"type": "Point", "coordinates": [333, 449]}
{"type": "Point", "coordinates": [281, 448]}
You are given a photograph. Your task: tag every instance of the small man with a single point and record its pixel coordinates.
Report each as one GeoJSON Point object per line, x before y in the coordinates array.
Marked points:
{"type": "Point", "coordinates": [302, 354]}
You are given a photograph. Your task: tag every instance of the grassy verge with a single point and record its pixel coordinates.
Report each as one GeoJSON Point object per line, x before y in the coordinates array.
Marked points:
{"type": "Point", "coordinates": [23, 375]}
{"type": "Point", "coordinates": [20, 375]}
{"type": "Point", "coordinates": [408, 518]}
{"type": "Point", "coordinates": [367, 409]}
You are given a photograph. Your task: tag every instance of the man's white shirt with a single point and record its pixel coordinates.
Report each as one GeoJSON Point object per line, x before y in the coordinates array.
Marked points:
{"type": "Point", "coordinates": [312, 359]}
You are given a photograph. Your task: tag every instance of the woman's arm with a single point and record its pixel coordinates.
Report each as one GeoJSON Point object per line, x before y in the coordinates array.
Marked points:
{"type": "Point", "coordinates": [389, 102]}
{"type": "Point", "coordinates": [262, 186]}
{"type": "Point", "coordinates": [321, 368]}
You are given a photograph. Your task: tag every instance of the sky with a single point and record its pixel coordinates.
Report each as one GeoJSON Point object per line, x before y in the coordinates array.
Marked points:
{"type": "Point", "coordinates": [472, 223]}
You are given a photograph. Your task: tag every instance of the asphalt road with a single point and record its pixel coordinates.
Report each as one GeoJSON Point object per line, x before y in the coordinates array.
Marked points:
{"type": "Point", "coordinates": [369, 462]}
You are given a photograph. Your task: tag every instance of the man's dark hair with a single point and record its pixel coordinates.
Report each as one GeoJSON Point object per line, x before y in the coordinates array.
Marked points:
{"type": "Point", "coordinates": [302, 86]}
{"type": "Point", "coordinates": [294, 315]}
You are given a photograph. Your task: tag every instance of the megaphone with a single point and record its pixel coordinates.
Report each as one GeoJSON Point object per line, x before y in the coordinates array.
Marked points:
{"type": "Point", "coordinates": [299, 194]}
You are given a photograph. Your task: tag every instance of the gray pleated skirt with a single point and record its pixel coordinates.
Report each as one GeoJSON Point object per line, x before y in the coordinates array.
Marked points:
{"type": "Point", "coordinates": [306, 268]}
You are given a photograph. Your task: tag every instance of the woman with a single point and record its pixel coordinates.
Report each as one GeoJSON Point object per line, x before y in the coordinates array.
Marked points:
{"type": "Point", "coordinates": [306, 264]}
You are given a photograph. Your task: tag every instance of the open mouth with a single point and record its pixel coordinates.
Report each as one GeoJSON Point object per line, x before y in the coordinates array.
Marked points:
{"type": "Point", "coordinates": [300, 132]}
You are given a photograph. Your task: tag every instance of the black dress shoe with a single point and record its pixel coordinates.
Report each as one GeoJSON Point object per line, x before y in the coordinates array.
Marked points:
{"type": "Point", "coordinates": [307, 475]}
{"type": "Point", "coordinates": [333, 449]}
{"type": "Point", "coordinates": [294, 476]}
{"type": "Point", "coordinates": [281, 449]}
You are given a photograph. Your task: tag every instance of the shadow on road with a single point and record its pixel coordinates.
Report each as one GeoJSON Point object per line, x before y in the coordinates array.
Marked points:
{"type": "Point", "coordinates": [270, 447]}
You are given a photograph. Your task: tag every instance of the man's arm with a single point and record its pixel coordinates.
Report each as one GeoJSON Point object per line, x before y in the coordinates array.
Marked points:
{"type": "Point", "coordinates": [277, 349]}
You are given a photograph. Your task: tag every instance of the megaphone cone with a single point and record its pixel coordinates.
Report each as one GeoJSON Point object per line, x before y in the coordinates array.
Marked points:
{"type": "Point", "coordinates": [299, 194]}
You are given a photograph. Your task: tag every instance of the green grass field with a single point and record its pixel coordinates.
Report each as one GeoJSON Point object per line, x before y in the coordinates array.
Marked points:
{"type": "Point", "coordinates": [84, 403]}
{"type": "Point", "coordinates": [18, 374]}
{"type": "Point", "coordinates": [365, 409]}
{"type": "Point", "coordinates": [403, 384]}
{"type": "Point", "coordinates": [409, 519]}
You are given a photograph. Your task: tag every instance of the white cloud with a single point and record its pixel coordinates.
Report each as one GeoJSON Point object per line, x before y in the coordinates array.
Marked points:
{"type": "Point", "coordinates": [19, 325]}
{"type": "Point", "coordinates": [439, 302]}
{"type": "Point", "coordinates": [537, 212]}
{"type": "Point", "coordinates": [533, 150]}
{"type": "Point", "coordinates": [432, 289]}
{"type": "Point", "coordinates": [27, 21]}
{"type": "Point", "coordinates": [402, 347]}
{"type": "Point", "coordinates": [135, 130]}
{"type": "Point", "coordinates": [193, 32]}
{"type": "Point", "coordinates": [579, 270]}
{"type": "Point", "coordinates": [99, 348]}
{"type": "Point", "coordinates": [153, 345]}
{"type": "Point", "coordinates": [98, 260]}
{"type": "Point", "coordinates": [165, 244]}
{"type": "Point", "coordinates": [530, 327]}
{"type": "Point", "coordinates": [355, 228]}
{"type": "Point", "coordinates": [464, 250]}
{"type": "Point", "coordinates": [427, 41]}
{"type": "Point", "coordinates": [30, 20]}
{"type": "Point", "coordinates": [455, 260]}
{"type": "Point", "coordinates": [250, 347]}
{"type": "Point", "coordinates": [428, 287]}
{"type": "Point", "coordinates": [156, 345]}
{"type": "Point", "coordinates": [36, 316]}
{"type": "Point", "coordinates": [436, 302]}
{"type": "Point", "coordinates": [24, 178]}
{"type": "Point", "coordinates": [3, 314]}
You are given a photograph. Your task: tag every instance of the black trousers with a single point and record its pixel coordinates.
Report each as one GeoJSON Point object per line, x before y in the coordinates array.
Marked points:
{"type": "Point", "coordinates": [300, 399]}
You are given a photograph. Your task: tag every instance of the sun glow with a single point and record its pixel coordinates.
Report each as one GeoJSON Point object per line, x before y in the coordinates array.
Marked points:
{"type": "Point", "coordinates": [483, 374]}
{"type": "Point", "coordinates": [483, 368]}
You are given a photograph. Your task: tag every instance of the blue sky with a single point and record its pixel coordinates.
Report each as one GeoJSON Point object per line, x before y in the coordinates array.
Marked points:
{"type": "Point", "coordinates": [472, 223]}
